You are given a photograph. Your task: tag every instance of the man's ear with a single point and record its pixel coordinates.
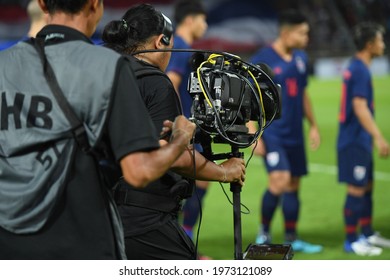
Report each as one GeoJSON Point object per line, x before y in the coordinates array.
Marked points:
{"type": "Point", "coordinates": [189, 20]}
{"type": "Point", "coordinates": [43, 6]}
{"type": "Point", "coordinates": [159, 42]}
{"type": "Point", "coordinates": [370, 44]}
{"type": "Point", "coordinates": [94, 4]}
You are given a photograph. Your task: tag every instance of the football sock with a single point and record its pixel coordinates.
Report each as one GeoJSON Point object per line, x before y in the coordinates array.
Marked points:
{"type": "Point", "coordinates": [188, 230]}
{"type": "Point", "coordinates": [352, 212]}
{"type": "Point", "coordinates": [191, 210]}
{"type": "Point", "coordinates": [268, 206]}
{"type": "Point", "coordinates": [366, 218]}
{"type": "Point", "coordinates": [290, 207]}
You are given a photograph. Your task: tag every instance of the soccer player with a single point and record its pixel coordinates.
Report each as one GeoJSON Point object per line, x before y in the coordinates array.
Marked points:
{"type": "Point", "coordinates": [38, 19]}
{"type": "Point", "coordinates": [282, 144]}
{"type": "Point", "coordinates": [190, 19]}
{"type": "Point", "coordinates": [357, 132]}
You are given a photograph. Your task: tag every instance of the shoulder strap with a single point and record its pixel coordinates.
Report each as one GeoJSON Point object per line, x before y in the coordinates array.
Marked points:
{"type": "Point", "coordinates": [78, 129]}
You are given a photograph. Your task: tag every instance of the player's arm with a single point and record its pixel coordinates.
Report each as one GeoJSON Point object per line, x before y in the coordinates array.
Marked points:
{"type": "Point", "coordinates": [260, 147]}
{"type": "Point", "coordinates": [363, 113]}
{"type": "Point", "coordinates": [314, 133]}
{"type": "Point", "coordinates": [175, 79]}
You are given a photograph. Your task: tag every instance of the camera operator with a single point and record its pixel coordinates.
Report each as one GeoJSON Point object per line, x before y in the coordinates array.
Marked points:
{"type": "Point", "coordinates": [149, 215]}
{"type": "Point", "coordinates": [190, 19]}
{"type": "Point", "coordinates": [54, 203]}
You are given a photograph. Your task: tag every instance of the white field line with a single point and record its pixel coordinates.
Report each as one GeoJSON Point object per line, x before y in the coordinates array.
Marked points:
{"type": "Point", "coordinates": [330, 170]}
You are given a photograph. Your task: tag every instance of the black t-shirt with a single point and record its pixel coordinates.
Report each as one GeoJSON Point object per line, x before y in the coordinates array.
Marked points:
{"type": "Point", "coordinates": [81, 227]}
{"type": "Point", "coordinates": [130, 127]}
{"type": "Point", "coordinates": [160, 98]}
{"type": "Point", "coordinates": [162, 102]}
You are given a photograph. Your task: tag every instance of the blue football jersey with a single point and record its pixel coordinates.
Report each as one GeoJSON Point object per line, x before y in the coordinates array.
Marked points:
{"type": "Point", "coordinates": [357, 82]}
{"type": "Point", "coordinates": [180, 64]}
{"type": "Point", "coordinates": [292, 76]}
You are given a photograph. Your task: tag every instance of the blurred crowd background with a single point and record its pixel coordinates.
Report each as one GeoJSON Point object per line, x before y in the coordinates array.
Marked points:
{"type": "Point", "coordinates": [242, 26]}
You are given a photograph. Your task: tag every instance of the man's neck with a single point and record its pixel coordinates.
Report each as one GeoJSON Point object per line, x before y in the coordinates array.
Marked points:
{"type": "Point", "coordinates": [151, 58]}
{"type": "Point", "coordinates": [281, 48]}
{"type": "Point", "coordinates": [77, 22]}
{"type": "Point", "coordinates": [365, 57]}
{"type": "Point", "coordinates": [184, 33]}
{"type": "Point", "coordinates": [36, 27]}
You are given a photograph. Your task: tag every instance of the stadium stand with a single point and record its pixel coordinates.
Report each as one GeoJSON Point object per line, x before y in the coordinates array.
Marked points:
{"type": "Point", "coordinates": [242, 26]}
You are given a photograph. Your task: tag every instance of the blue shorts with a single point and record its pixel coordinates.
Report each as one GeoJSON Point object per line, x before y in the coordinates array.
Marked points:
{"type": "Point", "coordinates": [285, 158]}
{"type": "Point", "coordinates": [355, 166]}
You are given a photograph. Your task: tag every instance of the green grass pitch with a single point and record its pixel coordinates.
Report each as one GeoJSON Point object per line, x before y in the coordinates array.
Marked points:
{"type": "Point", "coordinates": [322, 197]}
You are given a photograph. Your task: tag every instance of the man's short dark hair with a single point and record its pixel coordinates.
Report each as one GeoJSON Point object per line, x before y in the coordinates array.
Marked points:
{"type": "Point", "coordinates": [184, 8]}
{"type": "Point", "coordinates": [66, 6]}
{"type": "Point", "coordinates": [291, 17]}
{"type": "Point", "coordinates": [365, 32]}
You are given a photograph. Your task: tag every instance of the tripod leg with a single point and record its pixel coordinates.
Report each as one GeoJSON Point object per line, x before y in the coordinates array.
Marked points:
{"type": "Point", "coordinates": [238, 255]}
{"type": "Point", "coordinates": [235, 188]}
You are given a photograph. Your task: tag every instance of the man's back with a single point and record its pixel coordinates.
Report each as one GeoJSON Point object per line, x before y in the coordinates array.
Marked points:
{"type": "Point", "coordinates": [356, 83]}
{"type": "Point", "coordinates": [60, 205]}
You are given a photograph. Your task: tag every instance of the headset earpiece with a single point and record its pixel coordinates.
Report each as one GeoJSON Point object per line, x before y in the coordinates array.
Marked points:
{"type": "Point", "coordinates": [167, 30]}
{"type": "Point", "coordinates": [165, 40]}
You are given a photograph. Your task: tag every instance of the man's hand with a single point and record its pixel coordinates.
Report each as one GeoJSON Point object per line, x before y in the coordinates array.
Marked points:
{"type": "Point", "coordinates": [383, 147]}
{"type": "Point", "coordinates": [314, 138]}
{"type": "Point", "coordinates": [234, 171]}
{"type": "Point", "coordinates": [166, 130]}
{"type": "Point", "coordinates": [178, 129]}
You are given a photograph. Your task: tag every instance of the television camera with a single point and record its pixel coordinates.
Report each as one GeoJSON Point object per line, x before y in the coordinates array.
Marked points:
{"type": "Point", "coordinates": [227, 93]}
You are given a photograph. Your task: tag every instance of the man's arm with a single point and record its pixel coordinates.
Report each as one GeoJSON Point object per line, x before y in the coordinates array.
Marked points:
{"type": "Point", "coordinates": [141, 168]}
{"type": "Point", "coordinates": [260, 147]}
{"type": "Point", "coordinates": [314, 133]}
{"type": "Point", "coordinates": [231, 170]}
{"type": "Point", "coordinates": [363, 113]}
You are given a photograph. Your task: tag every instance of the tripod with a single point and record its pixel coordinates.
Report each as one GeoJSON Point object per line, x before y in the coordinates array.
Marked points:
{"type": "Point", "coordinates": [235, 188]}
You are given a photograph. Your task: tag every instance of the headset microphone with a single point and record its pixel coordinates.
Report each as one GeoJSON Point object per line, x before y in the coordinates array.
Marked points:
{"type": "Point", "coordinates": [167, 30]}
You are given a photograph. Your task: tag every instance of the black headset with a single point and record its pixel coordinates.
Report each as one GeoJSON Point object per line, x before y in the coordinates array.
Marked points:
{"type": "Point", "coordinates": [167, 30]}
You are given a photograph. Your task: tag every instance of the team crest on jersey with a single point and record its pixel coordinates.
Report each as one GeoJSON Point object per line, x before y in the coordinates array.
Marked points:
{"type": "Point", "coordinates": [300, 65]}
{"type": "Point", "coordinates": [359, 172]}
{"type": "Point", "coordinates": [277, 70]}
{"type": "Point", "coordinates": [273, 158]}
{"type": "Point", "coordinates": [347, 75]}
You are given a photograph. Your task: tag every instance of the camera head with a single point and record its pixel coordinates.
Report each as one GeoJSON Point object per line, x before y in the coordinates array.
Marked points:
{"type": "Point", "coordinates": [227, 93]}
